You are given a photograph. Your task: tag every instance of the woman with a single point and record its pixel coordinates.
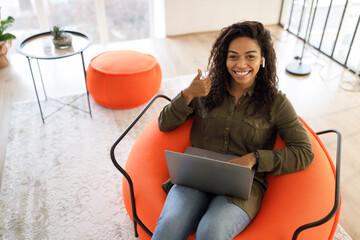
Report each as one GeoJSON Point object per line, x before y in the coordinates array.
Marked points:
{"type": "Point", "coordinates": [239, 111]}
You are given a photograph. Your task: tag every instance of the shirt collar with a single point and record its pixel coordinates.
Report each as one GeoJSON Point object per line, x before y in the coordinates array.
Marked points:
{"type": "Point", "coordinates": [249, 93]}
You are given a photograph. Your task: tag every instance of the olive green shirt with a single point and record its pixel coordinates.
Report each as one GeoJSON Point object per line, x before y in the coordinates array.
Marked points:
{"type": "Point", "coordinates": [226, 129]}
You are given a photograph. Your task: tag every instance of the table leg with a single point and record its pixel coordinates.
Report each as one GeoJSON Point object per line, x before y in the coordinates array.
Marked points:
{"type": "Point", "coordinates": [42, 82]}
{"type": "Point", "coordinates": [87, 92]}
{"type": "Point", "coordinates": [36, 92]}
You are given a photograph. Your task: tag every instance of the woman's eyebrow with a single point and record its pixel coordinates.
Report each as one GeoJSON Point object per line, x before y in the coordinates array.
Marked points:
{"type": "Point", "coordinates": [252, 51]}
{"type": "Point", "coordinates": [231, 51]}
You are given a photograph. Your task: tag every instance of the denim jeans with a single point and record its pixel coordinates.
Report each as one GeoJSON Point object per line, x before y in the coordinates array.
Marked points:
{"type": "Point", "coordinates": [186, 209]}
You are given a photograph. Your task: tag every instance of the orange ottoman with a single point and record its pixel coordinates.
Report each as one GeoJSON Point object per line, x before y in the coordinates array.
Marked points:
{"type": "Point", "coordinates": [123, 79]}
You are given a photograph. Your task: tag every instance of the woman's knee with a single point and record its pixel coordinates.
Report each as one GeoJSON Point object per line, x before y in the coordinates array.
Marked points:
{"type": "Point", "coordinates": [181, 213]}
{"type": "Point", "coordinates": [223, 220]}
{"type": "Point", "coordinates": [212, 229]}
{"type": "Point", "coordinates": [171, 226]}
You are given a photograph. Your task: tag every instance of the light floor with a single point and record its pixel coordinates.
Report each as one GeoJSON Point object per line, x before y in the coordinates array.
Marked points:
{"type": "Point", "coordinates": [320, 98]}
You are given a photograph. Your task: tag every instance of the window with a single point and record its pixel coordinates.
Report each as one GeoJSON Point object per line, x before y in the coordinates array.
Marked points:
{"type": "Point", "coordinates": [333, 27]}
{"type": "Point", "coordinates": [127, 19]}
{"type": "Point", "coordinates": [24, 12]}
{"type": "Point", "coordinates": [103, 20]}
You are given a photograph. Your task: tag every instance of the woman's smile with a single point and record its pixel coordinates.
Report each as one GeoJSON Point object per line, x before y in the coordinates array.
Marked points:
{"type": "Point", "coordinates": [242, 73]}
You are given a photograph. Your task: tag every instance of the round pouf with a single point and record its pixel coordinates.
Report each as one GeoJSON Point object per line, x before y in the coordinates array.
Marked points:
{"type": "Point", "coordinates": [123, 79]}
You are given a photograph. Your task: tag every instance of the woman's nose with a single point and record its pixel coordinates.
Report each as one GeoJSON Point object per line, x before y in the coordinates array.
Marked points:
{"type": "Point", "coordinates": [240, 63]}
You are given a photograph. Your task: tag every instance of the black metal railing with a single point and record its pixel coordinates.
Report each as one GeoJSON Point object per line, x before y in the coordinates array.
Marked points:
{"type": "Point", "coordinates": [334, 27]}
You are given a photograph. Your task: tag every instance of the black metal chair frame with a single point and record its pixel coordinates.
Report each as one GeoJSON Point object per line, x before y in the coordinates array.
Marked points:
{"type": "Point", "coordinates": [136, 219]}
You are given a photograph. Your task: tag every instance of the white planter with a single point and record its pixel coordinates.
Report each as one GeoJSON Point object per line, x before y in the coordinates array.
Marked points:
{"type": "Point", "coordinates": [63, 42]}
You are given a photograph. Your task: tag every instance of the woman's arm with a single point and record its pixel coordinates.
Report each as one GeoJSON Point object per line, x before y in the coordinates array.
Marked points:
{"type": "Point", "coordinates": [181, 107]}
{"type": "Point", "coordinates": [174, 114]}
{"type": "Point", "coordinates": [298, 154]}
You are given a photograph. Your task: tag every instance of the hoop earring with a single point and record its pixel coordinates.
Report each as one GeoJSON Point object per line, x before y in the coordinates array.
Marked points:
{"type": "Point", "coordinates": [263, 62]}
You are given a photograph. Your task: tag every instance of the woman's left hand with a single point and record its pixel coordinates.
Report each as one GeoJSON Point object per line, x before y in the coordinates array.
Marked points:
{"type": "Point", "coordinates": [247, 160]}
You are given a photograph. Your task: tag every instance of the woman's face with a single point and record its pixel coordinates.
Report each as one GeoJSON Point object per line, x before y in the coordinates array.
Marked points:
{"type": "Point", "coordinates": [243, 61]}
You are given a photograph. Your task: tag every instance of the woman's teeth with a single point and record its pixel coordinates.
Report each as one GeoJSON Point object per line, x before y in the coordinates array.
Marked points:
{"type": "Point", "coordinates": [241, 73]}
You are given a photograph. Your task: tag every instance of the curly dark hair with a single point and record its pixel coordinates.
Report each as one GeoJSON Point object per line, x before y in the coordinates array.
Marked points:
{"type": "Point", "coordinates": [266, 79]}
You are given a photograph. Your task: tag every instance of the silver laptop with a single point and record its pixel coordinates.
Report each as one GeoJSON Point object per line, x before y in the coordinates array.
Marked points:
{"type": "Point", "coordinates": [210, 172]}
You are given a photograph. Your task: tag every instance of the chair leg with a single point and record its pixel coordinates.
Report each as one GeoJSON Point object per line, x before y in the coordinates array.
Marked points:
{"type": "Point", "coordinates": [135, 228]}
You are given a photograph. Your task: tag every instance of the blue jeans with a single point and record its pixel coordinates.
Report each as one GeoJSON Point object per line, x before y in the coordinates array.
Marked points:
{"type": "Point", "coordinates": [186, 209]}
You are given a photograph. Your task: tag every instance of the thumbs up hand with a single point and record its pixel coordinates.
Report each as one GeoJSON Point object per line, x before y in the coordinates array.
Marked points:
{"type": "Point", "coordinates": [199, 87]}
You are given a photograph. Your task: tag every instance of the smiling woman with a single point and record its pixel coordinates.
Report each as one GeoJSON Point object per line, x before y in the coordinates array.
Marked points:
{"type": "Point", "coordinates": [241, 114]}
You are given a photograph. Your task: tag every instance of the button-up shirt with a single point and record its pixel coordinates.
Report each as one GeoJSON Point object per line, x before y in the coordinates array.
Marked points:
{"type": "Point", "coordinates": [226, 129]}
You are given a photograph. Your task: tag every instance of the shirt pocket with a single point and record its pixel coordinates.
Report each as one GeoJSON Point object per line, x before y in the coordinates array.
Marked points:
{"type": "Point", "coordinates": [208, 120]}
{"type": "Point", "coordinates": [257, 132]}
{"type": "Point", "coordinates": [205, 132]}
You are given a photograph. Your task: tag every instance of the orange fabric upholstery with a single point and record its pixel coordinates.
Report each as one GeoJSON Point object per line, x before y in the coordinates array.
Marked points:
{"type": "Point", "coordinates": [123, 79]}
{"type": "Point", "coordinates": [290, 201]}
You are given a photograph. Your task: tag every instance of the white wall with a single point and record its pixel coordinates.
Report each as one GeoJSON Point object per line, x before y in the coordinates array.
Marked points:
{"type": "Point", "coordinates": [191, 16]}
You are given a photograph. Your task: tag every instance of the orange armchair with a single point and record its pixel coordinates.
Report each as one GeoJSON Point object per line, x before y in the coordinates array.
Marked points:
{"type": "Point", "coordinates": [302, 205]}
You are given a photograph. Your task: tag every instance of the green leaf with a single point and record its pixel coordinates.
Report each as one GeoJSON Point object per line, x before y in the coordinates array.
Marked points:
{"type": "Point", "coordinates": [7, 36]}
{"type": "Point", "coordinates": [7, 21]}
{"type": "Point", "coordinates": [3, 26]}
{"type": "Point", "coordinates": [10, 19]}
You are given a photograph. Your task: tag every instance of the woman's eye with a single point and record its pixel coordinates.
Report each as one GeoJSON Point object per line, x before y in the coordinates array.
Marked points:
{"type": "Point", "coordinates": [232, 56]}
{"type": "Point", "coordinates": [251, 57]}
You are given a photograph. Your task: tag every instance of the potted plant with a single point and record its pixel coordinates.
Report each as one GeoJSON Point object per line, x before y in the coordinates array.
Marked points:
{"type": "Point", "coordinates": [5, 40]}
{"type": "Point", "coordinates": [61, 39]}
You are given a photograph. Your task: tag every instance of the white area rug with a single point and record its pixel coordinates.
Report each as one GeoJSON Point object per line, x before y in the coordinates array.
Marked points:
{"type": "Point", "coordinates": [58, 180]}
